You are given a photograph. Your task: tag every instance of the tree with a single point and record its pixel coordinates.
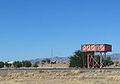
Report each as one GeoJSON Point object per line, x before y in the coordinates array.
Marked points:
{"type": "Point", "coordinates": [1, 64]}
{"type": "Point", "coordinates": [26, 63]}
{"type": "Point", "coordinates": [79, 59]}
{"type": "Point", "coordinates": [17, 64]}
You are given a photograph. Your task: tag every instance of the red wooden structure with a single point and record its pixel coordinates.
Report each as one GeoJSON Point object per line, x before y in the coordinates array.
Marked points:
{"type": "Point", "coordinates": [91, 49]}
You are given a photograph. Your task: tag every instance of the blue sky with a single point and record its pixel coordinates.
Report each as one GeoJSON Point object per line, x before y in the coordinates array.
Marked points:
{"type": "Point", "coordinates": [30, 28]}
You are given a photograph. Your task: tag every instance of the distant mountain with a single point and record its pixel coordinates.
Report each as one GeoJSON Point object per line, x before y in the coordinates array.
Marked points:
{"type": "Point", "coordinates": [36, 60]}
{"type": "Point", "coordinates": [61, 59]}
{"type": "Point", "coordinates": [115, 56]}
{"type": "Point", "coordinates": [57, 59]}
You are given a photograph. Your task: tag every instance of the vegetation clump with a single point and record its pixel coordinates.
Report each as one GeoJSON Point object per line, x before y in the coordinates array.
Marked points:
{"type": "Point", "coordinates": [1, 64]}
{"type": "Point", "coordinates": [108, 61]}
{"type": "Point", "coordinates": [26, 63]}
{"type": "Point", "coordinates": [35, 64]}
{"type": "Point", "coordinates": [79, 59]}
{"type": "Point", "coordinates": [7, 64]}
{"type": "Point", "coordinates": [17, 64]}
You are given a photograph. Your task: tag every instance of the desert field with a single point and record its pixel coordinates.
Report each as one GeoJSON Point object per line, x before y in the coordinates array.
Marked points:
{"type": "Point", "coordinates": [73, 77]}
{"type": "Point", "coordinates": [57, 65]}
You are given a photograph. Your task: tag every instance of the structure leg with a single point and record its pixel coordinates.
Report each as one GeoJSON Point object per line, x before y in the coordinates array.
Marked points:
{"type": "Point", "coordinates": [93, 62]}
{"type": "Point", "coordinates": [101, 60]}
{"type": "Point", "coordinates": [88, 63]}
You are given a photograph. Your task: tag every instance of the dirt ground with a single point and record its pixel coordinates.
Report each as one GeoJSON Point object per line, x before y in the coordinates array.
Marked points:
{"type": "Point", "coordinates": [73, 77]}
{"type": "Point", "coordinates": [57, 65]}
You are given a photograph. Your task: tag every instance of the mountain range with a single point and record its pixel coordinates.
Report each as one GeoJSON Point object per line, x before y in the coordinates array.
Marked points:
{"type": "Point", "coordinates": [114, 56]}
{"type": "Point", "coordinates": [57, 59]}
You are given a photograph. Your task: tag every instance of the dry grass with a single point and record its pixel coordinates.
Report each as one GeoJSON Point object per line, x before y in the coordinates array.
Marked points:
{"type": "Point", "coordinates": [73, 77]}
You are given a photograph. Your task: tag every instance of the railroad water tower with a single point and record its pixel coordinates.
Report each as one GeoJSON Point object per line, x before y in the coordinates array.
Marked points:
{"type": "Point", "coordinates": [91, 49]}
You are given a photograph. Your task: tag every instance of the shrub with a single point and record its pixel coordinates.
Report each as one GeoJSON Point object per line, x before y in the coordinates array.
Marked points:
{"type": "Point", "coordinates": [108, 62]}
{"type": "Point", "coordinates": [43, 61]}
{"type": "Point", "coordinates": [79, 59]}
{"type": "Point", "coordinates": [48, 60]}
{"type": "Point", "coordinates": [26, 63]}
{"type": "Point", "coordinates": [116, 63]}
{"type": "Point", "coordinates": [1, 64]}
{"type": "Point", "coordinates": [35, 65]}
{"type": "Point", "coordinates": [17, 64]}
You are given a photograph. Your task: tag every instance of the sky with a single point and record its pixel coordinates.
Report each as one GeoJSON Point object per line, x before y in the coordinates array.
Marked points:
{"type": "Point", "coordinates": [29, 29]}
